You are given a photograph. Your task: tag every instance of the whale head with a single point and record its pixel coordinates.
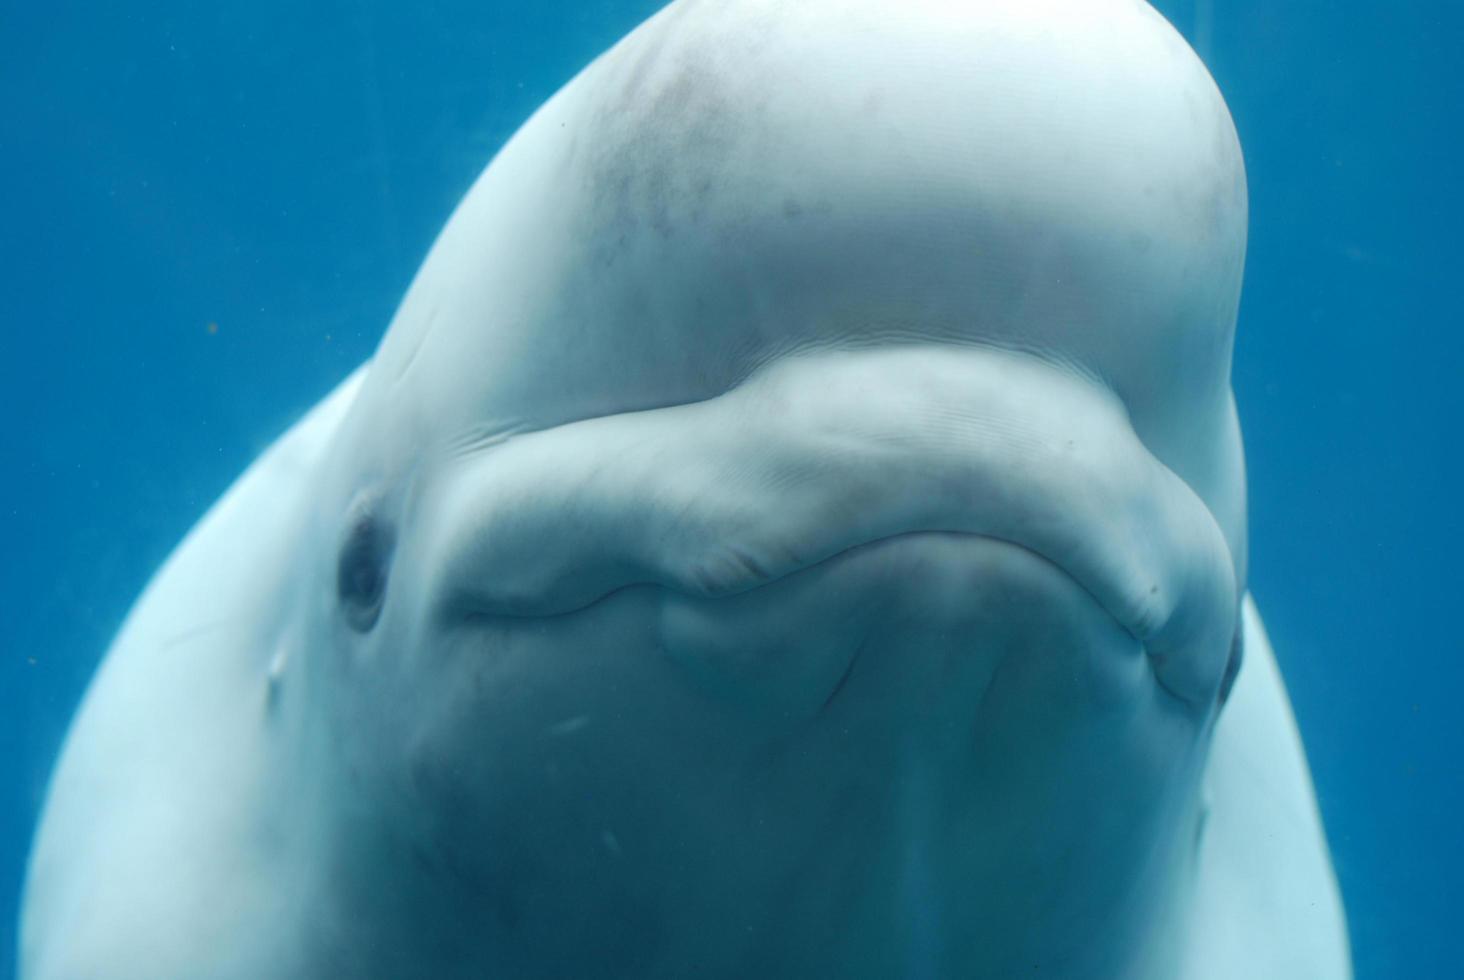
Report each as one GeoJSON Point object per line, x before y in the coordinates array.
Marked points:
{"type": "Point", "coordinates": [795, 522]}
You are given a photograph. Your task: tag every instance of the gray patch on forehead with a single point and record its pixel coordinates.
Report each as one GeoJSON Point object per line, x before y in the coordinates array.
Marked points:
{"type": "Point", "coordinates": [682, 101]}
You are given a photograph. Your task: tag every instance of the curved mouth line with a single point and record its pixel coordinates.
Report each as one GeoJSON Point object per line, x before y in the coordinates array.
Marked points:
{"type": "Point", "coordinates": [758, 579]}
{"type": "Point", "coordinates": [472, 613]}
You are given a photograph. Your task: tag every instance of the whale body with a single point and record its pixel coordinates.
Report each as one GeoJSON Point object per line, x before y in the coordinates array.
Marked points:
{"type": "Point", "coordinates": [793, 526]}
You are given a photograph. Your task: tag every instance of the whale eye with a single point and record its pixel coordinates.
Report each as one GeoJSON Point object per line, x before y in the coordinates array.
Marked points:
{"type": "Point", "coordinates": [362, 570]}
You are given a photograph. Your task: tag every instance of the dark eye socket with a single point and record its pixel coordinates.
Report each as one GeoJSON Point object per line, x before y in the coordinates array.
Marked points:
{"type": "Point", "coordinates": [362, 571]}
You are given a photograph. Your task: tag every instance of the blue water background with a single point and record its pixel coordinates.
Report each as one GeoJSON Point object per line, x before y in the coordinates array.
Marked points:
{"type": "Point", "coordinates": [278, 169]}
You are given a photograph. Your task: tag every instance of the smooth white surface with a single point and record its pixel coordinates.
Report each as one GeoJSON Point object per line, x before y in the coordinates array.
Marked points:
{"type": "Point", "coordinates": [817, 523]}
{"type": "Point", "coordinates": [1267, 903]}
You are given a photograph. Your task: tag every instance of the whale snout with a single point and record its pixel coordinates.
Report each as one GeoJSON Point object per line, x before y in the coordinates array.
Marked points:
{"type": "Point", "coordinates": [863, 470]}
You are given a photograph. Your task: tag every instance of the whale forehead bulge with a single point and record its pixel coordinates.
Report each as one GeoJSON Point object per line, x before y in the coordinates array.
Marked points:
{"type": "Point", "coordinates": [735, 182]}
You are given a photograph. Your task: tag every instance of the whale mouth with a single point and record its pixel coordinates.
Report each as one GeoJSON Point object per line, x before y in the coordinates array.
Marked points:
{"type": "Point", "coordinates": [819, 454]}
{"type": "Point", "coordinates": [941, 603]}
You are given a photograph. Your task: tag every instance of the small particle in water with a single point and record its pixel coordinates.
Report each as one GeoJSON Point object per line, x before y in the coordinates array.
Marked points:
{"type": "Point", "coordinates": [213, 327]}
{"type": "Point", "coordinates": [611, 842]}
{"type": "Point", "coordinates": [570, 725]}
{"type": "Point", "coordinates": [31, 661]}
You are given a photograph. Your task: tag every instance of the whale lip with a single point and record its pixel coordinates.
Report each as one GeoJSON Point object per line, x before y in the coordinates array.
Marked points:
{"type": "Point", "coordinates": [786, 648]}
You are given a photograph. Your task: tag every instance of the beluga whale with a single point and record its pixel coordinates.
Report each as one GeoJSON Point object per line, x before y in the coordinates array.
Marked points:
{"type": "Point", "coordinates": [793, 526]}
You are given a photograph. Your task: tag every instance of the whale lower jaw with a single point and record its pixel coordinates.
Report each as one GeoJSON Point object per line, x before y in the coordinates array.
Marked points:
{"type": "Point", "coordinates": [977, 752]}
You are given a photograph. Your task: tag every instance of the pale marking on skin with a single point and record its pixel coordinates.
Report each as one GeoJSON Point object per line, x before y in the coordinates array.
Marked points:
{"type": "Point", "coordinates": [193, 632]}
{"type": "Point", "coordinates": [422, 336]}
